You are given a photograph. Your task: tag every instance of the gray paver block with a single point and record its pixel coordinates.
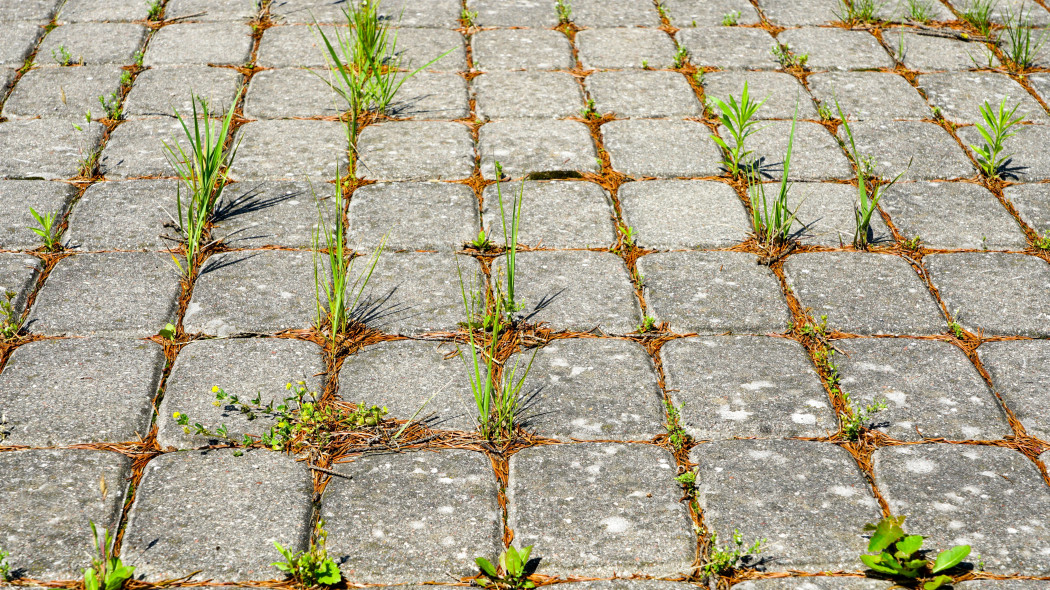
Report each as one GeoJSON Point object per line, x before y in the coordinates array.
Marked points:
{"type": "Point", "coordinates": [661, 148]}
{"type": "Point", "coordinates": [271, 213]}
{"type": "Point", "coordinates": [625, 48]}
{"type": "Point", "coordinates": [525, 146]}
{"type": "Point", "coordinates": [244, 367]}
{"type": "Point", "coordinates": [780, 93]}
{"type": "Point", "coordinates": [118, 294]}
{"type": "Point", "coordinates": [290, 150]}
{"type": "Point", "coordinates": [1002, 585]}
{"type": "Point", "coordinates": [960, 95]}
{"type": "Point", "coordinates": [728, 47]}
{"type": "Point", "coordinates": [136, 148]}
{"type": "Point", "coordinates": [746, 386]}
{"type": "Point", "coordinates": [300, 46]}
{"type": "Point", "coordinates": [442, 14]}
{"type": "Point", "coordinates": [929, 386]}
{"type": "Point", "coordinates": [713, 292]}
{"type": "Point", "coordinates": [404, 375]}
{"type": "Point", "coordinates": [814, 583]}
{"type": "Point", "coordinates": [637, 94]}
{"type": "Point", "coordinates": [990, 498]}
{"type": "Point", "coordinates": [514, 13]}
{"type": "Point", "coordinates": [952, 215]}
{"type": "Point", "coordinates": [93, 43]}
{"type": "Point", "coordinates": [582, 504]}
{"type": "Point", "coordinates": [19, 39]}
{"type": "Point", "coordinates": [430, 95]}
{"type": "Point", "coordinates": [128, 215]}
{"type": "Point", "coordinates": [922, 151]}
{"type": "Point", "coordinates": [684, 13]}
{"type": "Point", "coordinates": [48, 498]}
{"type": "Point", "coordinates": [412, 216]}
{"type": "Point", "coordinates": [856, 92]}
{"type": "Point", "coordinates": [511, 49]}
{"type": "Point", "coordinates": [578, 291]}
{"type": "Point", "coordinates": [1028, 159]}
{"type": "Point", "coordinates": [292, 92]}
{"type": "Point", "coordinates": [927, 53]}
{"type": "Point", "coordinates": [217, 513]}
{"type": "Point", "coordinates": [28, 10]}
{"type": "Point", "coordinates": [162, 90]}
{"type": "Point", "coordinates": [45, 148]}
{"type": "Point", "coordinates": [91, 390]}
{"type": "Point", "coordinates": [16, 198]}
{"type": "Point", "coordinates": [7, 75]}
{"type": "Point", "coordinates": [544, 219]}
{"type": "Point", "coordinates": [254, 291]}
{"type": "Point", "coordinates": [418, 47]}
{"type": "Point", "coordinates": [815, 154]}
{"type": "Point", "coordinates": [509, 95]}
{"type": "Point", "coordinates": [592, 389]}
{"type": "Point", "coordinates": [228, 44]}
{"type": "Point", "coordinates": [18, 274]}
{"type": "Point", "coordinates": [792, 12]}
{"type": "Point", "coordinates": [837, 49]}
{"type": "Point", "coordinates": [613, 13]}
{"type": "Point", "coordinates": [420, 292]}
{"type": "Point", "coordinates": [415, 150]}
{"type": "Point", "coordinates": [995, 293]}
{"type": "Point", "coordinates": [1041, 84]}
{"type": "Point", "coordinates": [1032, 204]}
{"type": "Point", "coordinates": [669, 214]}
{"type": "Point", "coordinates": [381, 529]}
{"type": "Point", "coordinates": [808, 499]}
{"type": "Point", "coordinates": [74, 11]}
{"type": "Point", "coordinates": [826, 214]}
{"type": "Point", "coordinates": [627, 584]}
{"type": "Point", "coordinates": [211, 10]}
{"type": "Point", "coordinates": [864, 293]}
{"type": "Point", "coordinates": [66, 93]}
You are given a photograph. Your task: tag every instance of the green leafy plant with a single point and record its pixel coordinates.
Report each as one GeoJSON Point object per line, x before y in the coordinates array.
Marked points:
{"type": "Point", "coordinates": [168, 331]}
{"type": "Point", "coordinates": [676, 434]}
{"type": "Point", "coordinates": [920, 11]}
{"type": "Point", "coordinates": [957, 329]}
{"type": "Point", "coordinates": [11, 323]}
{"type": "Point", "coordinates": [312, 567]}
{"type": "Point", "coordinates": [107, 572]}
{"type": "Point", "coordinates": [648, 324]}
{"type": "Point", "coordinates": [1042, 243]}
{"type": "Point", "coordinates": [859, 417]}
{"type": "Point", "coordinates": [855, 12]}
{"type": "Point", "coordinates": [899, 555]}
{"type": "Point", "coordinates": [5, 568]}
{"type": "Point", "coordinates": [995, 131]}
{"type": "Point", "coordinates": [588, 111]}
{"type": "Point", "coordinates": [739, 120]}
{"type": "Point", "coordinates": [731, 19]}
{"type": "Point", "coordinates": [154, 10]}
{"type": "Point", "coordinates": [722, 560]}
{"type": "Point", "coordinates": [681, 56]}
{"type": "Point", "coordinates": [1023, 45]}
{"type": "Point", "coordinates": [482, 242]}
{"type": "Point", "coordinates": [645, 64]}
{"type": "Point", "coordinates": [786, 57]}
{"type": "Point", "coordinates": [467, 17]}
{"type": "Point", "coordinates": [111, 106]}
{"type": "Point", "coordinates": [511, 573]}
{"type": "Point", "coordinates": [771, 219]}
{"type": "Point", "coordinates": [125, 79]}
{"type": "Point", "coordinates": [46, 230]}
{"type": "Point", "coordinates": [978, 13]}
{"type": "Point", "coordinates": [63, 57]}
{"type": "Point", "coordinates": [687, 479]}
{"type": "Point", "coordinates": [564, 10]}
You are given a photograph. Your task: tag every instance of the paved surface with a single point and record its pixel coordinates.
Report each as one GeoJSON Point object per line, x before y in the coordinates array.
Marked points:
{"type": "Point", "coordinates": [628, 215]}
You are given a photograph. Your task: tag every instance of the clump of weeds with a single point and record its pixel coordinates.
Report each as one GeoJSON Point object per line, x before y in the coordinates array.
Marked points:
{"type": "Point", "coordinates": [900, 556]}
{"type": "Point", "coordinates": [512, 573]}
{"type": "Point", "coordinates": [313, 567]}
{"type": "Point", "coordinates": [46, 230]}
{"type": "Point", "coordinates": [722, 560]}
{"type": "Point", "coordinates": [1023, 43]}
{"type": "Point", "coordinates": [995, 130]}
{"type": "Point", "coordinates": [859, 418]}
{"type": "Point", "coordinates": [107, 571]}
{"type": "Point", "coordinates": [858, 12]}
{"type": "Point", "coordinates": [772, 218]}
{"type": "Point", "coordinates": [786, 57]}
{"type": "Point", "coordinates": [10, 320]}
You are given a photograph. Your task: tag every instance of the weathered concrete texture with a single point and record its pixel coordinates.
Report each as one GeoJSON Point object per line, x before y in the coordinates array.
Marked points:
{"type": "Point", "coordinates": [290, 150]}
{"type": "Point", "coordinates": [507, 95]}
{"type": "Point", "coordinates": [815, 155]}
{"type": "Point", "coordinates": [127, 215]}
{"type": "Point", "coordinates": [661, 148]}
{"type": "Point", "coordinates": [253, 214]}
{"type": "Point", "coordinates": [582, 504]}
{"type": "Point", "coordinates": [18, 274]}
{"type": "Point", "coordinates": [211, 10]}
{"type": "Point", "coordinates": [990, 498]}
{"type": "Point", "coordinates": [226, 44]}
{"type": "Point", "coordinates": [921, 151]}
{"type": "Point", "coordinates": [217, 513]}
{"type": "Point", "coordinates": [814, 583]}
{"type": "Point", "coordinates": [684, 13]}
{"type": "Point", "coordinates": [864, 293]}
{"type": "Point", "coordinates": [578, 291]}
{"type": "Point", "coordinates": [836, 49]}
{"type": "Point", "coordinates": [960, 95]}
{"type": "Point", "coordinates": [512, 49]}
{"type": "Point", "coordinates": [66, 93]}
{"type": "Point", "coordinates": [627, 584]}
{"type": "Point", "coordinates": [591, 389]}
{"type": "Point", "coordinates": [432, 96]}
{"type": "Point", "coordinates": [1032, 204]}
{"type": "Point", "coordinates": [1027, 160]}
{"type": "Point", "coordinates": [525, 146]}
{"type": "Point", "coordinates": [165, 90]}
{"type": "Point", "coordinates": [442, 14]}
{"type": "Point", "coordinates": [102, 10]}
{"type": "Point", "coordinates": [302, 12]}
{"type": "Point", "coordinates": [1020, 372]}
{"type": "Point", "coordinates": [1041, 84]}
{"type": "Point", "coordinates": [92, 43]}
{"type": "Point", "coordinates": [927, 53]}
{"type": "Point", "coordinates": [45, 148]}
{"type": "Point", "coordinates": [415, 150]}
{"type": "Point", "coordinates": [641, 94]}
{"type": "Point", "coordinates": [855, 91]}
{"type": "Point", "coordinates": [246, 368]}
{"type": "Point", "coordinates": [412, 292]}
{"type": "Point", "coordinates": [1002, 585]}
{"type": "Point", "coordinates": [122, 295]}
{"type": "Point", "coordinates": [613, 13]}
{"type": "Point", "coordinates": [515, 13]}
{"type": "Point", "coordinates": [791, 12]}
{"type": "Point", "coordinates": [994, 293]}
{"type": "Point", "coordinates": [952, 215]}
{"type": "Point", "coordinates": [807, 499]}
{"type": "Point", "coordinates": [903, 12]}
{"type": "Point", "coordinates": [84, 391]}
{"type": "Point", "coordinates": [17, 197]}
{"type": "Point", "coordinates": [29, 10]}
{"type": "Point", "coordinates": [713, 292]}
{"type": "Point", "coordinates": [292, 92]}
{"type": "Point", "coordinates": [931, 388]}
{"type": "Point", "coordinates": [728, 47]}
{"type": "Point", "coordinates": [544, 219]}
{"type": "Point", "coordinates": [18, 41]}
{"type": "Point", "coordinates": [383, 527]}
{"type": "Point", "coordinates": [48, 499]}
{"type": "Point", "coordinates": [257, 292]}
{"type": "Point", "coordinates": [779, 93]}
{"type": "Point", "coordinates": [826, 214]}
{"type": "Point", "coordinates": [746, 386]}
{"type": "Point", "coordinates": [300, 46]}
{"type": "Point", "coordinates": [672, 214]}
{"type": "Point", "coordinates": [412, 216]}
{"type": "Point", "coordinates": [431, 49]}
{"type": "Point", "coordinates": [625, 48]}
{"type": "Point", "coordinates": [1003, 11]}
{"type": "Point", "coordinates": [136, 148]}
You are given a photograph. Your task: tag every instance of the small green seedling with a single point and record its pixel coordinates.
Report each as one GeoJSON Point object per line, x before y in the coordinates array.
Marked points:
{"type": "Point", "coordinates": [648, 324]}
{"type": "Point", "coordinates": [12, 320]}
{"type": "Point", "coordinates": [920, 11]}
{"type": "Point", "coordinates": [63, 57]}
{"type": "Point", "coordinates": [1043, 243]}
{"type": "Point", "coordinates": [45, 229]}
{"type": "Point", "coordinates": [731, 19]}
{"type": "Point", "coordinates": [739, 120]}
{"type": "Point", "coordinates": [313, 567]}
{"type": "Point", "coordinates": [995, 131]}
{"type": "Point", "coordinates": [786, 57]}
{"type": "Point", "coordinates": [589, 110]}
{"type": "Point", "coordinates": [111, 106]}
{"type": "Point", "coordinates": [899, 555]}
{"type": "Point", "coordinates": [772, 219]}
{"type": "Point", "coordinates": [676, 435]}
{"type": "Point", "coordinates": [957, 329]}
{"type": "Point", "coordinates": [168, 332]}
{"type": "Point", "coordinates": [564, 10]}
{"type": "Point", "coordinates": [722, 560]}
{"type": "Point", "coordinates": [645, 64]}
{"type": "Point", "coordinates": [107, 572]}
{"type": "Point", "coordinates": [512, 569]}
{"type": "Point", "coordinates": [482, 242]}
{"type": "Point", "coordinates": [155, 8]}
{"type": "Point", "coordinates": [979, 14]}
{"type": "Point", "coordinates": [681, 56]}
{"type": "Point", "coordinates": [467, 17]}
{"type": "Point", "coordinates": [856, 12]}
{"type": "Point", "coordinates": [1024, 45]}
{"type": "Point", "coordinates": [687, 479]}
{"type": "Point", "coordinates": [5, 568]}
{"type": "Point", "coordinates": [857, 420]}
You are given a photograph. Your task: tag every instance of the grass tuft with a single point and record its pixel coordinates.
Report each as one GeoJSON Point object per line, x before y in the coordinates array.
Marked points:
{"type": "Point", "coordinates": [739, 119]}
{"type": "Point", "coordinates": [995, 130]}
{"type": "Point", "coordinates": [1023, 46]}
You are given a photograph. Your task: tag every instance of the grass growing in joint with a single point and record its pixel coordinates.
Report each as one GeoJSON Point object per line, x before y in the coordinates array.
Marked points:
{"type": "Point", "coordinates": [920, 11]}
{"type": "Point", "coordinates": [771, 219]}
{"type": "Point", "coordinates": [995, 131]}
{"type": "Point", "coordinates": [739, 119]}
{"type": "Point", "coordinates": [1022, 44]}
{"type": "Point", "coordinates": [979, 14]}
{"type": "Point", "coordinates": [854, 12]}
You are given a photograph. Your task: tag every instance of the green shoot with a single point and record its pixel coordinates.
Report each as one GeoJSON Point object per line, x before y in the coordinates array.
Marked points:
{"type": "Point", "coordinates": [156, 7]}
{"type": "Point", "coordinates": [107, 572]}
{"type": "Point", "coordinates": [46, 230]}
{"type": "Point", "coordinates": [978, 13]}
{"type": "Point", "coordinates": [5, 569]}
{"type": "Point", "coordinates": [722, 560]}
{"type": "Point", "coordinates": [648, 324]}
{"type": "Point", "coordinates": [512, 571]}
{"type": "Point", "coordinates": [856, 12]}
{"type": "Point", "coordinates": [905, 560]}
{"type": "Point", "coordinates": [1042, 243]}
{"type": "Point", "coordinates": [510, 242]}
{"type": "Point", "coordinates": [681, 56]}
{"type": "Point", "coordinates": [168, 332]}
{"type": "Point", "coordinates": [313, 567]}
{"type": "Point", "coordinates": [467, 17]}
{"type": "Point", "coordinates": [676, 434]}
{"type": "Point", "coordinates": [111, 106]}
{"type": "Point", "coordinates": [738, 119]}
{"type": "Point", "coordinates": [771, 220]}
{"type": "Point", "coordinates": [482, 242]}
{"type": "Point", "coordinates": [857, 420]}
{"type": "Point", "coordinates": [564, 12]}
{"type": "Point", "coordinates": [63, 57]}
{"type": "Point", "coordinates": [920, 11]}
{"type": "Point", "coordinates": [1023, 46]}
{"type": "Point", "coordinates": [589, 110]}
{"type": "Point", "coordinates": [12, 320]}
{"type": "Point", "coordinates": [787, 58]}
{"type": "Point", "coordinates": [731, 19]}
{"type": "Point", "coordinates": [995, 131]}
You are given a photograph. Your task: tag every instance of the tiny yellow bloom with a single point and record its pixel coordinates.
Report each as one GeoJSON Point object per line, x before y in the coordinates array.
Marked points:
{"type": "Point", "coordinates": [215, 389]}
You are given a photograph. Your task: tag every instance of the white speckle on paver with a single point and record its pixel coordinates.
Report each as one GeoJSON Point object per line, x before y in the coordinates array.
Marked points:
{"type": "Point", "coordinates": [756, 385]}
{"type": "Point", "coordinates": [754, 454]}
{"type": "Point", "coordinates": [736, 416]}
{"type": "Point", "coordinates": [844, 491]}
{"type": "Point", "coordinates": [944, 507]}
{"type": "Point", "coordinates": [898, 397]}
{"type": "Point", "coordinates": [577, 370]}
{"type": "Point", "coordinates": [955, 525]}
{"type": "Point", "coordinates": [446, 510]}
{"type": "Point", "coordinates": [615, 524]}
{"type": "Point", "coordinates": [920, 466]}
{"type": "Point", "coordinates": [803, 418]}
{"type": "Point", "coordinates": [594, 469]}
{"type": "Point", "coordinates": [417, 525]}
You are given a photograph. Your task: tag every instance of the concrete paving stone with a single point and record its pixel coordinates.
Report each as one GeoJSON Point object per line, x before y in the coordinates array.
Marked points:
{"type": "Point", "coordinates": [290, 150]}
{"type": "Point", "coordinates": [526, 146]}
{"type": "Point", "coordinates": [307, 12]}
{"type": "Point", "coordinates": [922, 151]}
{"type": "Point", "coordinates": [807, 499]}
{"type": "Point", "coordinates": [1028, 160]}
{"type": "Point", "coordinates": [432, 96]}
{"type": "Point", "coordinates": [537, 14]}
{"type": "Point", "coordinates": [684, 13]}
{"type": "Point", "coordinates": [509, 95]}
{"type": "Point", "coordinates": [733, 48]}
{"type": "Point", "coordinates": [210, 10]}
{"type": "Point", "coordinates": [298, 46]}
{"type": "Point", "coordinates": [815, 154]}
{"type": "Point", "coordinates": [19, 38]}
{"type": "Point", "coordinates": [837, 49]}
{"type": "Point", "coordinates": [416, 292]}
{"type": "Point", "coordinates": [511, 49]}
{"type": "Point", "coordinates": [930, 386]}
{"type": "Point", "coordinates": [441, 14]}
{"type": "Point", "coordinates": [661, 148]}
{"type": "Point", "coordinates": [927, 53]}
{"type": "Point", "coordinates": [614, 13]}
{"type": "Point", "coordinates": [627, 584]}
{"type": "Point", "coordinates": [625, 48]}
{"type": "Point", "coordinates": [713, 292]}
{"type": "Point", "coordinates": [245, 367]}
{"type": "Point", "coordinates": [382, 529]}
{"type": "Point", "coordinates": [960, 95]}
{"type": "Point", "coordinates": [402, 376]}
{"type": "Point", "coordinates": [226, 44]}
{"type": "Point", "coordinates": [126, 295]}
{"type": "Point", "coordinates": [544, 221]}
{"type": "Point", "coordinates": [994, 293]}
{"type": "Point", "coordinates": [1020, 372]}
{"type": "Point", "coordinates": [165, 89]}
{"type": "Point", "coordinates": [864, 293]}
{"type": "Point", "coordinates": [271, 213]}
{"type": "Point", "coordinates": [416, 48]}
{"type": "Point", "coordinates": [18, 273]}
{"type": "Point", "coordinates": [826, 214]}
{"type": "Point", "coordinates": [93, 43]}
{"type": "Point", "coordinates": [780, 93]}
{"type": "Point", "coordinates": [1032, 204]}
{"type": "Point", "coordinates": [580, 505]}
{"type": "Point", "coordinates": [45, 148]}
{"type": "Point", "coordinates": [136, 148]}
{"type": "Point", "coordinates": [814, 583]}
{"type": "Point", "coordinates": [217, 514]}
{"type": "Point", "coordinates": [578, 291]}
{"type": "Point", "coordinates": [47, 500]}
{"type": "Point", "coordinates": [855, 92]}
{"type": "Point", "coordinates": [412, 216]}
{"type": "Point", "coordinates": [84, 391]}
{"type": "Point", "coordinates": [1041, 84]}
{"type": "Point", "coordinates": [281, 288]}
{"type": "Point", "coordinates": [730, 386]}
{"type": "Point", "coordinates": [990, 498]}
{"type": "Point", "coordinates": [67, 93]}
{"type": "Point", "coordinates": [29, 10]}
{"type": "Point", "coordinates": [1002, 585]}
{"type": "Point", "coordinates": [128, 215]}
{"type": "Point", "coordinates": [292, 92]}
{"type": "Point", "coordinates": [7, 75]}
{"type": "Point", "coordinates": [952, 215]}
{"type": "Point", "coordinates": [591, 388]}
{"type": "Point", "coordinates": [415, 150]}
{"type": "Point", "coordinates": [640, 94]}
{"type": "Point", "coordinates": [793, 13]}
{"type": "Point", "coordinates": [672, 214]}
{"type": "Point", "coordinates": [78, 11]}
{"type": "Point", "coordinates": [17, 197]}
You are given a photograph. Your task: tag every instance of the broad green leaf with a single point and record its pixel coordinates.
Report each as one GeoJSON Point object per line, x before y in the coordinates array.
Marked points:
{"type": "Point", "coordinates": [950, 558]}
{"type": "Point", "coordinates": [873, 562]}
{"type": "Point", "coordinates": [486, 567]}
{"type": "Point", "coordinates": [937, 582]}
{"type": "Point", "coordinates": [909, 545]}
{"type": "Point", "coordinates": [886, 533]}
{"type": "Point", "coordinates": [90, 579]}
{"type": "Point", "coordinates": [524, 554]}
{"type": "Point", "coordinates": [328, 574]}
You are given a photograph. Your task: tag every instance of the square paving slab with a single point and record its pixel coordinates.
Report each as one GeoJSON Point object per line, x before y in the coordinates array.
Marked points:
{"type": "Point", "coordinates": [254, 214]}
{"type": "Point", "coordinates": [415, 150]}
{"type": "Point", "coordinates": [661, 148]}
{"type": "Point", "coordinates": [19, 275]}
{"type": "Point", "coordinates": [524, 147]}
{"type": "Point", "coordinates": [1020, 372]}
{"type": "Point", "coordinates": [125, 215]}
{"type": "Point", "coordinates": [674, 214]}
{"type": "Point", "coordinates": [512, 49]}
{"type": "Point", "coordinates": [543, 214]}
{"type": "Point", "coordinates": [412, 216]}
{"type": "Point", "coordinates": [17, 197]}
